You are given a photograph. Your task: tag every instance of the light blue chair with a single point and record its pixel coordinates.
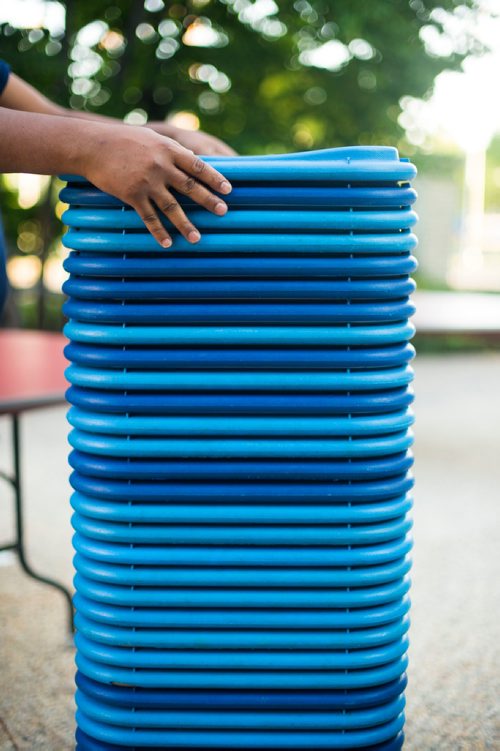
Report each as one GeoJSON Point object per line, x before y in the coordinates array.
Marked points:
{"type": "Point", "coordinates": [241, 434]}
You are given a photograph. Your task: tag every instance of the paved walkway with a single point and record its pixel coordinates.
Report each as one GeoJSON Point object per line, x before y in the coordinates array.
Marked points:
{"type": "Point", "coordinates": [455, 658]}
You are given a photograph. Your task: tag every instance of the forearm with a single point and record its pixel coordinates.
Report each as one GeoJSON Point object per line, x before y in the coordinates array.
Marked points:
{"type": "Point", "coordinates": [41, 143]}
{"type": "Point", "coordinates": [20, 95]}
{"type": "Point", "coordinates": [163, 127]}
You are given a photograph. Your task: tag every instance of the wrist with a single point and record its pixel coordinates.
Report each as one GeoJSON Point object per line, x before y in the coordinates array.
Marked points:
{"type": "Point", "coordinates": [90, 140]}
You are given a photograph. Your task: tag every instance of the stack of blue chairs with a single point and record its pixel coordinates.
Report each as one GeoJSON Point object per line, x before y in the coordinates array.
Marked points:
{"type": "Point", "coordinates": [241, 453]}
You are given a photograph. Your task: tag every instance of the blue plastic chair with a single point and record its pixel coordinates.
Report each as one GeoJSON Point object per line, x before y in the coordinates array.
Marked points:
{"type": "Point", "coordinates": [241, 453]}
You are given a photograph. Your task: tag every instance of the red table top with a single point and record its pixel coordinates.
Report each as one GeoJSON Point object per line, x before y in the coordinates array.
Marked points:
{"type": "Point", "coordinates": [31, 370]}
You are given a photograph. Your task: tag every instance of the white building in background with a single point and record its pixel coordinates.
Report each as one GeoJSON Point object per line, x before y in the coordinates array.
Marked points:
{"type": "Point", "coordinates": [451, 254]}
{"type": "Point", "coordinates": [438, 229]}
{"type": "Point", "coordinates": [460, 244]}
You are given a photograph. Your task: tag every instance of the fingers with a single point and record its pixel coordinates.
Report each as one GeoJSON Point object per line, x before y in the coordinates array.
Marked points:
{"type": "Point", "coordinates": [195, 167]}
{"type": "Point", "coordinates": [148, 214]}
{"type": "Point", "coordinates": [173, 211]}
{"type": "Point", "coordinates": [214, 147]}
{"type": "Point", "coordinates": [219, 148]}
{"type": "Point", "coordinates": [188, 186]}
{"type": "Point", "coordinates": [172, 166]}
{"type": "Point", "coordinates": [167, 204]}
{"type": "Point", "coordinates": [225, 150]}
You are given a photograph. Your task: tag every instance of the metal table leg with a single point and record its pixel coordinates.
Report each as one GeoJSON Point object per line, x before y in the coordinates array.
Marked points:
{"type": "Point", "coordinates": [18, 545]}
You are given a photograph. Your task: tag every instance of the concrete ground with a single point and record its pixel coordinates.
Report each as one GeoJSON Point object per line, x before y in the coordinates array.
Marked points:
{"type": "Point", "coordinates": [454, 687]}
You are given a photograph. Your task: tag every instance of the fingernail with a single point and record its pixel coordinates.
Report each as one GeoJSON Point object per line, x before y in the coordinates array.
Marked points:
{"type": "Point", "coordinates": [225, 187]}
{"type": "Point", "coordinates": [166, 243]}
{"type": "Point", "coordinates": [194, 236]}
{"type": "Point", "coordinates": [220, 209]}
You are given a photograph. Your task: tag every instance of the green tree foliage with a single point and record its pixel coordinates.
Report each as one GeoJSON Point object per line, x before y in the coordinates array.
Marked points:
{"type": "Point", "coordinates": [251, 84]}
{"type": "Point", "coordinates": [266, 76]}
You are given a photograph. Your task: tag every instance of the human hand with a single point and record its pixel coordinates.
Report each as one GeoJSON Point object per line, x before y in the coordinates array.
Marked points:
{"type": "Point", "coordinates": [138, 166]}
{"type": "Point", "coordinates": [196, 140]}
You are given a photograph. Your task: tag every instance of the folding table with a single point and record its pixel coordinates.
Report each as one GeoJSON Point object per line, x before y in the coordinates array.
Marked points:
{"type": "Point", "coordinates": [31, 377]}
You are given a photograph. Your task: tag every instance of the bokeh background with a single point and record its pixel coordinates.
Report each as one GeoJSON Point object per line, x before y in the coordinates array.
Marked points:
{"type": "Point", "coordinates": [273, 77]}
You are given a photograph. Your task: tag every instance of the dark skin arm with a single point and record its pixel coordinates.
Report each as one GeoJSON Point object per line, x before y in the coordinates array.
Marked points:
{"type": "Point", "coordinates": [136, 164]}
{"type": "Point", "coordinates": [20, 95]}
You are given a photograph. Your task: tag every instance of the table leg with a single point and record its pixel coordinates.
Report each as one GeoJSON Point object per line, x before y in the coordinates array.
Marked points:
{"type": "Point", "coordinates": [19, 545]}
